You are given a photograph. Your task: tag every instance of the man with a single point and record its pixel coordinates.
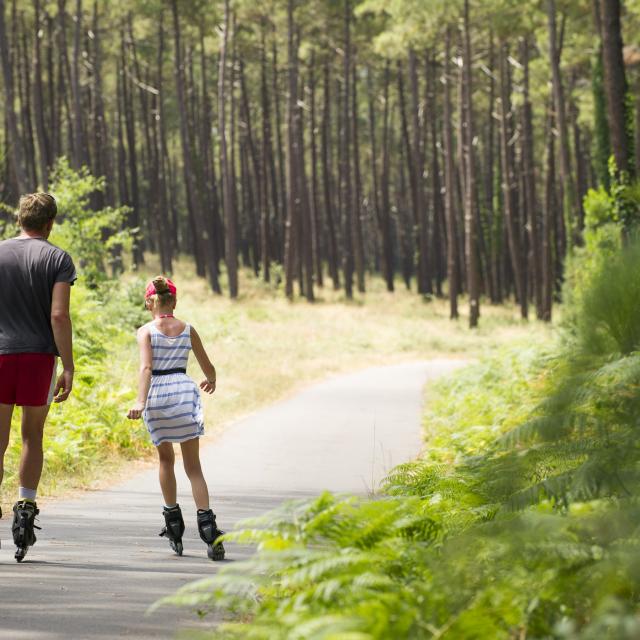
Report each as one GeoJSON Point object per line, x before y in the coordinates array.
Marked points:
{"type": "Point", "coordinates": [35, 327]}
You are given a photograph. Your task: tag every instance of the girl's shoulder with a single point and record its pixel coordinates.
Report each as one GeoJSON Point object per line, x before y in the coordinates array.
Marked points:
{"type": "Point", "coordinates": [145, 328]}
{"type": "Point", "coordinates": [144, 332]}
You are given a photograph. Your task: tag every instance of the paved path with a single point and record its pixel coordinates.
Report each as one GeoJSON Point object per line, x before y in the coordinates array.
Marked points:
{"type": "Point", "coordinates": [99, 564]}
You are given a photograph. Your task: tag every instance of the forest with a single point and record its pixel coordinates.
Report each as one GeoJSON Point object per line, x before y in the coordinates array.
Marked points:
{"type": "Point", "coordinates": [402, 164]}
{"type": "Point", "coordinates": [447, 146]}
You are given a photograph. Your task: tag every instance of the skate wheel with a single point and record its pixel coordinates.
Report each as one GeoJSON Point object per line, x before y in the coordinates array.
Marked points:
{"type": "Point", "coordinates": [215, 552]}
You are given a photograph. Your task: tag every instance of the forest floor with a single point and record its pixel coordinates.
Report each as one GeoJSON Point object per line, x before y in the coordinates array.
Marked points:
{"type": "Point", "coordinates": [98, 564]}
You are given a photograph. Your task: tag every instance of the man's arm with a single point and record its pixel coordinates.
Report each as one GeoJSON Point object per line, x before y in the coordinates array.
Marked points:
{"type": "Point", "coordinates": [61, 325]}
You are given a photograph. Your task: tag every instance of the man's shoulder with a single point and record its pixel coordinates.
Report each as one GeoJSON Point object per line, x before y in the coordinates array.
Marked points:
{"type": "Point", "coordinates": [55, 248]}
{"type": "Point", "coordinates": [51, 250]}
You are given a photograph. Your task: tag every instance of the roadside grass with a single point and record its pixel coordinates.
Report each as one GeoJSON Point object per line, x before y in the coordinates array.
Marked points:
{"type": "Point", "coordinates": [264, 348]}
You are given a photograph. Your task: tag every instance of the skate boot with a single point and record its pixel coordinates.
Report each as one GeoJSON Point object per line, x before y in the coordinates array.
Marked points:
{"type": "Point", "coordinates": [24, 515]}
{"type": "Point", "coordinates": [174, 528]}
{"type": "Point", "coordinates": [209, 533]}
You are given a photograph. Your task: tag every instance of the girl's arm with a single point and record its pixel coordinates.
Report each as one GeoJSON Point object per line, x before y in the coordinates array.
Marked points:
{"type": "Point", "coordinates": [208, 385]}
{"type": "Point", "coordinates": [144, 377]}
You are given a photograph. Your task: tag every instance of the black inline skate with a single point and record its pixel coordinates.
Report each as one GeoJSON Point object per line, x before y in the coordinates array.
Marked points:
{"type": "Point", "coordinates": [174, 527]}
{"type": "Point", "coordinates": [209, 533]}
{"type": "Point", "coordinates": [24, 515]}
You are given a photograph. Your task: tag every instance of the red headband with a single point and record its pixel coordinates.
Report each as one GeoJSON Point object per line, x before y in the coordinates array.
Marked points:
{"type": "Point", "coordinates": [151, 289]}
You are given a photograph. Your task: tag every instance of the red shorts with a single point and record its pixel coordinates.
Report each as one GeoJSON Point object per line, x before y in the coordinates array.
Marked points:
{"type": "Point", "coordinates": [27, 379]}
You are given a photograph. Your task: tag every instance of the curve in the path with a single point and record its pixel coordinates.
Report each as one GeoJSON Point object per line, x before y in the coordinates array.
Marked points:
{"type": "Point", "coordinates": [98, 564]}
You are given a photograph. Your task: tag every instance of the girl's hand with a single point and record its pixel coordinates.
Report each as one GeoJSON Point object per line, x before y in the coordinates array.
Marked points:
{"type": "Point", "coordinates": [208, 386]}
{"type": "Point", "coordinates": [135, 413]}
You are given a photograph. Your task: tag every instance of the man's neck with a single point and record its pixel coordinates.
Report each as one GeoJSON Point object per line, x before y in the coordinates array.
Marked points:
{"type": "Point", "coordinates": [33, 234]}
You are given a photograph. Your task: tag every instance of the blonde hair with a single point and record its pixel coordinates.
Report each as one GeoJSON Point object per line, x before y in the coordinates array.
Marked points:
{"type": "Point", "coordinates": [163, 296]}
{"type": "Point", "coordinates": [36, 210]}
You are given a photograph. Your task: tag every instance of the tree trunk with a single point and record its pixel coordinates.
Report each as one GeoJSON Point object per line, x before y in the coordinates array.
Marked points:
{"type": "Point", "coordinates": [314, 201]}
{"type": "Point", "coordinates": [529, 180]}
{"type": "Point", "coordinates": [615, 82]}
{"type": "Point", "coordinates": [268, 163]}
{"type": "Point", "coordinates": [449, 183]}
{"type": "Point", "coordinates": [44, 150]}
{"type": "Point", "coordinates": [291, 230]}
{"type": "Point", "coordinates": [471, 232]}
{"type": "Point", "coordinates": [16, 146]}
{"type": "Point", "coordinates": [79, 148]}
{"type": "Point", "coordinates": [566, 176]}
{"type": "Point", "coordinates": [164, 225]}
{"type": "Point", "coordinates": [231, 255]}
{"type": "Point", "coordinates": [508, 181]}
{"type": "Point", "coordinates": [357, 192]}
{"type": "Point", "coordinates": [345, 159]}
{"type": "Point", "coordinates": [129, 122]}
{"type": "Point", "coordinates": [327, 180]}
{"type": "Point", "coordinates": [24, 92]}
{"type": "Point", "coordinates": [306, 230]}
{"type": "Point", "coordinates": [417, 168]}
{"type": "Point", "coordinates": [548, 226]}
{"type": "Point", "coordinates": [382, 209]}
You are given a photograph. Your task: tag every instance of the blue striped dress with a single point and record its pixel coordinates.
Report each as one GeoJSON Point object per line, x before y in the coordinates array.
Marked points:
{"type": "Point", "coordinates": [173, 412]}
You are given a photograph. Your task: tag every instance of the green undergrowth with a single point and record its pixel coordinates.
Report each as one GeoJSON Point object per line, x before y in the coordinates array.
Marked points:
{"type": "Point", "coordinates": [521, 519]}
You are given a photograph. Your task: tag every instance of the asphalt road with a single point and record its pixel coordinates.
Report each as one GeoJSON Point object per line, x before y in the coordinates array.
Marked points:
{"type": "Point", "coordinates": [99, 564]}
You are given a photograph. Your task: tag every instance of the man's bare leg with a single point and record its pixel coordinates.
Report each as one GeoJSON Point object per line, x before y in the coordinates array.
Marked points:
{"type": "Point", "coordinates": [33, 419]}
{"type": "Point", "coordinates": [6, 411]}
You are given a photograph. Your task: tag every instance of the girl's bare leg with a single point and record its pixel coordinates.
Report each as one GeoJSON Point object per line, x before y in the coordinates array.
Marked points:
{"type": "Point", "coordinates": [167, 474]}
{"type": "Point", "coordinates": [191, 461]}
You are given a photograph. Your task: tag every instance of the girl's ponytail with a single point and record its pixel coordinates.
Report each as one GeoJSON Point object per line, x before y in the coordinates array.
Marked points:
{"type": "Point", "coordinates": [161, 290]}
{"type": "Point", "coordinates": [161, 286]}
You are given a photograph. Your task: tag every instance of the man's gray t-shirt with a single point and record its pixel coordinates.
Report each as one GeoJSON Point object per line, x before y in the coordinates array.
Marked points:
{"type": "Point", "coordinates": [29, 267]}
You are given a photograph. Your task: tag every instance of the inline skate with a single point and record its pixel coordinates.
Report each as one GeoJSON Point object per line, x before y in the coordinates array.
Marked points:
{"type": "Point", "coordinates": [174, 527]}
{"type": "Point", "coordinates": [209, 533]}
{"type": "Point", "coordinates": [24, 515]}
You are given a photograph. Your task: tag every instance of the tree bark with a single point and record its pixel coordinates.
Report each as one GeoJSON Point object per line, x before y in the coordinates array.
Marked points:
{"type": "Point", "coordinates": [231, 255]}
{"type": "Point", "coordinates": [529, 180]}
{"type": "Point", "coordinates": [566, 176]}
{"type": "Point", "coordinates": [615, 82]}
{"type": "Point", "coordinates": [357, 192]}
{"type": "Point", "coordinates": [44, 150]}
{"type": "Point", "coordinates": [471, 232]}
{"type": "Point", "coordinates": [291, 230]}
{"type": "Point", "coordinates": [449, 183]}
{"type": "Point", "coordinates": [327, 180]}
{"type": "Point", "coordinates": [79, 148]}
{"type": "Point", "coordinates": [345, 159]}
{"type": "Point", "coordinates": [508, 181]}
{"type": "Point", "coordinates": [16, 146]}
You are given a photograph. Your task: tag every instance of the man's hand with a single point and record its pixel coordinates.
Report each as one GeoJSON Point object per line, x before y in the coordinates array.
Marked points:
{"type": "Point", "coordinates": [208, 386]}
{"type": "Point", "coordinates": [63, 386]}
{"type": "Point", "coordinates": [135, 413]}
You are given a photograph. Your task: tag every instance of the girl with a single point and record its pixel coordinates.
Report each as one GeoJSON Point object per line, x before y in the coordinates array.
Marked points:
{"type": "Point", "coordinates": [169, 403]}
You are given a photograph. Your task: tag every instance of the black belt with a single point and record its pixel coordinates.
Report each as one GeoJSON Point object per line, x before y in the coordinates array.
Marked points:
{"type": "Point", "coordinates": [167, 372]}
